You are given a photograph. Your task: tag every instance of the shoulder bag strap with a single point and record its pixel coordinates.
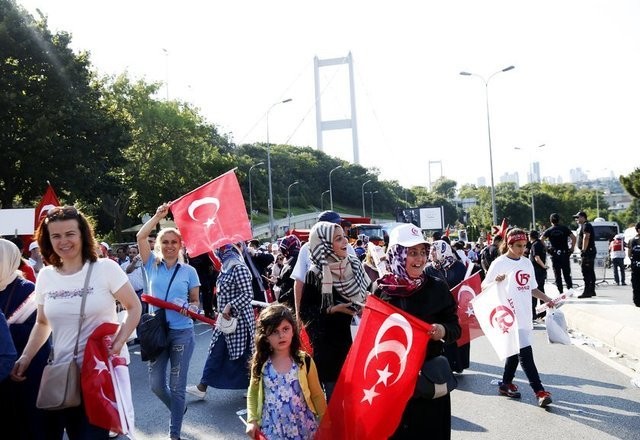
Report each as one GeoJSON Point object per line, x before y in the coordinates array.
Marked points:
{"type": "Point", "coordinates": [166, 295]}
{"type": "Point", "coordinates": [84, 300]}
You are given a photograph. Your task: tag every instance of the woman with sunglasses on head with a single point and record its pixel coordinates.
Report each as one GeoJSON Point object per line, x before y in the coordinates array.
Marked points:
{"type": "Point", "coordinates": [227, 365]}
{"type": "Point", "coordinates": [69, 248]}
{"type": "Point", "coordinates": [169, 278]}
{"type": "Point", "coordinates": [512, 268]}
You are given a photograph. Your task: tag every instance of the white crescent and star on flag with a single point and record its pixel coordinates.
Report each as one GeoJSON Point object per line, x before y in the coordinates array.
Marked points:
{"type": "Point", "coordinates": [201, 202]}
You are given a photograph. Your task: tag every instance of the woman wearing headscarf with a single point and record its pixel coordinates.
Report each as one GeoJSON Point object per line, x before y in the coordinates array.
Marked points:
{"type": "Point", "coordinates": [18, 399]}
{"type": "Point", "coordinates": [289, 249]}
{"type": "Point", "coordinates": [428, 298]}
{"type": "Point", "coordinates": [334, 287]}
{"type": "Point", "coordinates": [227, 365]}
{"type": "Point", "coordinates": [445, 266]}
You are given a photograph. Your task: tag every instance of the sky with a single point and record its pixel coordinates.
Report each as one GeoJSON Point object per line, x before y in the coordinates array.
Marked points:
{"type": "Point", "coordinates": [575, 85]}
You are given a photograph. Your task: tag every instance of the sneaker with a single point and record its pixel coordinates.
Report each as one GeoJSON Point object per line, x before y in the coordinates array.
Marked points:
{"type": "Point", "coordinates": [509, 390]}
{"type": "Point", "coordinates": [544, 398]}
{"type": "Point", "coordinates": [195, 392]}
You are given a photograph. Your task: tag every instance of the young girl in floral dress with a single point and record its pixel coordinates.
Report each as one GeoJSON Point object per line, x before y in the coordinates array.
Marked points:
{"type": "Point", "coordinates": [285, 399]}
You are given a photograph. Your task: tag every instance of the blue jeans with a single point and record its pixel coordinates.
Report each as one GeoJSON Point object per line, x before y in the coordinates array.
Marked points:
{"type": "Point", "coordinates": [182, 343]}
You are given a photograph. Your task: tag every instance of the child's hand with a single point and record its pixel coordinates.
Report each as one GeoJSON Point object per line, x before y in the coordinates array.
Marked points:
{"type": "Point", "coordinates": [252, 428]}
{"type": "Point", "coordinates": [501, 277]}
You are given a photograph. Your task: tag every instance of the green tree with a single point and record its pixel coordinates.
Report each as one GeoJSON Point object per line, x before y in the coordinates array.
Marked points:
{"type": "Point", "coordinates": [53, 125]}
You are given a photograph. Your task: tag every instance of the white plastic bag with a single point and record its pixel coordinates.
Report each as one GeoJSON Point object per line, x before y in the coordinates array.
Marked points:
{"type": "Point", "coordinates": [557, 327]}
{"type": "Point", "coordinates": [355, 325]}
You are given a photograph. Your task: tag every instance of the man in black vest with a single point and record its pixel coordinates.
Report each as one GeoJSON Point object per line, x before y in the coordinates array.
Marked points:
{"type": "Point", "coordinates": [559, 237]}
{"type": "Point", "coordinates": [634, 255]}
{"type": "Point", "coordinates": [587, 246]}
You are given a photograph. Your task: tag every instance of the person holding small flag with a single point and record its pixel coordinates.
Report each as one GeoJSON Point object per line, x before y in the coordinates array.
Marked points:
{"type": "Point", "coordinates": [518, 273]}
{"type": "Point", "coordinates": [409, 288]}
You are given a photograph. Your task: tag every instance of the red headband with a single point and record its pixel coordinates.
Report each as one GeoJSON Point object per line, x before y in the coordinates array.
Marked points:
{"type": "Point", "coordinates": [516, 237]}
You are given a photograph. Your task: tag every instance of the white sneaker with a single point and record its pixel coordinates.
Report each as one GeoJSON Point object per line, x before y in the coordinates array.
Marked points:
{"type": "Point", "coordinates": [194, 391]}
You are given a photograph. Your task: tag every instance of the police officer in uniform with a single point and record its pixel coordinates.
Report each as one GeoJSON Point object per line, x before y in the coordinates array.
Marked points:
{"type": "Point", "coordinates": [587, 246]}
{"type": "Point", "coordinates": [559, 237]}
{"type": "Point", "coordinates": [634, 255]}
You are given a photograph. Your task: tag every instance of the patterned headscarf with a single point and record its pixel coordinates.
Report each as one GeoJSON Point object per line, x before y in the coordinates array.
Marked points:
{"type": "Point", "coordinates": [346, 275]}
{"type": "Point", "coordinates": [441, 255]}
{"type": "Point", "coordinates": [290, 246]}
{"type": "Point", "coordinates": [9, 262]}
{"type": "Point", "coordinates": [230, 256]}
{"type": "Point", "coordinates": [398, 282]}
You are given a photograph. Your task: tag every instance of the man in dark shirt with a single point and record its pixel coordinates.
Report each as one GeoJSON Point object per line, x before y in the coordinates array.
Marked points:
{"type": "Point", "coordinates": [559, 236]}
{"type": "Point", "coordinates": [538, 256]}
{"type": "Point", "coordinates": [634, 255]}
{"type": "Point", "coordinates": [587, 246]}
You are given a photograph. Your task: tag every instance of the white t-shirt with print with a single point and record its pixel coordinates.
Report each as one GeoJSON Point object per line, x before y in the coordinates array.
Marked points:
{"type": "Point", "coordinates": [520, 281]}
{"type": "Point", "coordinates": [61, 296]}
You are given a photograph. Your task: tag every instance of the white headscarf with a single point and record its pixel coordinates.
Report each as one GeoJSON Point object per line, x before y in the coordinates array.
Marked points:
{"type": "Point", "coordinates": [9, 263]}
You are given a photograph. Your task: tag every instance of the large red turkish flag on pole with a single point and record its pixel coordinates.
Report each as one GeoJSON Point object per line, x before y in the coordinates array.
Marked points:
{"type": "Point", "coordinates": [212, 215]}
{"type": "Point", "coordinates": [378, 376]}
{"type": "Point", "coordinates": [464, 293]}
{"type": "Point", "coordinates": [49, 200]}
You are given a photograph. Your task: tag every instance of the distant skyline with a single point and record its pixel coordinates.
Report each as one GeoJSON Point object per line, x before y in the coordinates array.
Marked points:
{"type": "Point", "coordinates": [574, 87]}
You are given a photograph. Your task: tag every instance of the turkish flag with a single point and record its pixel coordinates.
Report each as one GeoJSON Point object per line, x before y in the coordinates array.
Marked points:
{"type": "Point", "coordinates": [212, 215]}
{"type": "Point", "coordinates": [497, 318]}
{"type": "Point", "coordinates": [463, 294]}
{"type": "Point", "coordinates": [378, 376]}
{"type": "Point", "coordinates": [49, 200]}
{"type": "Point", "coordinates": [104, 384]}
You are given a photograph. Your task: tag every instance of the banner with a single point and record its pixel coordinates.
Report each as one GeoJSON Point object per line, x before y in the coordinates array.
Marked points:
{"type": "Point", "coordinates": [49, 200]}
{"type": "Point", "coordinates": [463, 293]}
{"type": "Point", "coordinates": [378, 376]}
{"type": "Point", "coordinates": [212, 215]}
{"type": "Point", "coordinates": [497, 318]}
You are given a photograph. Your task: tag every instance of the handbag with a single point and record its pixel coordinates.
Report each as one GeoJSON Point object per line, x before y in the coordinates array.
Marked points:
{"type": "Point", "coordinates": [60, 382]}
{"type": "Point", "coordinates": [153, 331]}
{"type": "Point", "coordinates": [435, 379]}
{"type": "Point", "coordinates": [226, 326]}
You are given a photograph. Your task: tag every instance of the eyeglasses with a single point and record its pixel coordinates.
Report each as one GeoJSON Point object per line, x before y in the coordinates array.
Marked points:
{"type": "Point", "coordinates": [61, 213]}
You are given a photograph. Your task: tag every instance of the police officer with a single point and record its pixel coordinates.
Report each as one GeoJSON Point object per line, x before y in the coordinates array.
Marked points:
{"type": "Point", "coordinates": [634, 255]}
{"type": "Point", "coordinates": [587, 246]}
{"type": "Point", "coordinates": [559, 237]}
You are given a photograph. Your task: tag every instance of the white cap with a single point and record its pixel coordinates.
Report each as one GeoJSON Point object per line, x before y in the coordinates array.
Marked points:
{"type": "Point", "coordinates": [33, 245]}
{"type": "Point", "coordinates": [106, 246]}
{"type": "Point", "coordinates": [406, 235]}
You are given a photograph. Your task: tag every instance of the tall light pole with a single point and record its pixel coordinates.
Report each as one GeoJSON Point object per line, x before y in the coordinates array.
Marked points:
{"type": "Point", "coordinates": [533, 204]}
{"type": "Point", "coordinates": [166, 65]}
{"type": "Point", "coordinates": [364, 213]}
{"type": "Point", "coordinates": [271, 228]}
{"type": "Point", "coordinates": [322, 199]}
{"type": "Point", "coordinates": [250, 195]}
{"type": "Point", "coordinates": [597, 202]}
{"type": "Point", "coordinates": [486, 92]}
{"type": "Point", "coordinates": [330, 190]}
{"type": "Point", "coordinates": [289, 203]}
{"type": "Point", "coordinates": [371, 193]}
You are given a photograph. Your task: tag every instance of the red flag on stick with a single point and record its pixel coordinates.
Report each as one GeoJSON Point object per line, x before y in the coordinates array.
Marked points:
{"type": "Point", "coordinates": [212, 215]}
{"type": "Point", "coordinates": [378, 376]}
{"type": "Point", "coordinates": [464, 293]}
{"type": "Point", "coordinates": [49, 200]}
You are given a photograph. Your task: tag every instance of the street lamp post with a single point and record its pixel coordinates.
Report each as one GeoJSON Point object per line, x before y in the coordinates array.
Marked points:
{"type": "Point", "coordinates": [371, 193]}
{"type": "Point", "coordinates": [322, 199]}
{"type": "Point", "coordinates": [289, 203]}
{"type": "Point", "coordinates": [364, 214]}
{"type": "Point", "coordinates": [330, 190]}
{"type": "Point", "coordinates": [250, 195]}
{"type": "Point", "coordinates": [533, 204]}
{"type": "Point", "coordinates": [270, 203]}
{"type": "Point", "coordinates": [486, 91]}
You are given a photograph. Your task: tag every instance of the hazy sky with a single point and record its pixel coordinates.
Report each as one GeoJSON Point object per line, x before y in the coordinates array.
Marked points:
{"type": "Point", "coordinates": [575, 88]}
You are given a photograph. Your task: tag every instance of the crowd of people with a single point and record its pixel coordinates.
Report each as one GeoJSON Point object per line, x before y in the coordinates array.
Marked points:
{"type": "Point", "coordinates": [276, 294]}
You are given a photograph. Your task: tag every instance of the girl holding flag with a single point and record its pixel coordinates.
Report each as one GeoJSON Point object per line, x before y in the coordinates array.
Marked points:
{"type": "Point", "coordinates": [519, 275]}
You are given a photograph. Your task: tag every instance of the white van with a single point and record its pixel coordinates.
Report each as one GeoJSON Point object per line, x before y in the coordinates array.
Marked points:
{"type": "Point", "coordinates": [604, 232]}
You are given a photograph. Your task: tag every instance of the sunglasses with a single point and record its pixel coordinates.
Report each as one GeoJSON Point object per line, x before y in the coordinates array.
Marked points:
{"type": "Point", "coordinates": [61, 213]}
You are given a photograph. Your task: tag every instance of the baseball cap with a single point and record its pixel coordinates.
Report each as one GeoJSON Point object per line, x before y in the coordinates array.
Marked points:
{"type": "Point", "coordinates": [406, 235]}
{"type": "Point", "coordinates": [105, 245]}
{"type": "Point", "coordinates": [330, 216]}
{"type": "Point", "coordinates": [580, 214]}
{"type": "Point", "coordinates": [33, 245]}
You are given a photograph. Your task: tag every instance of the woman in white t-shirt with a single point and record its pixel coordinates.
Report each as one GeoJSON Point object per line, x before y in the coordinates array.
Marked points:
{"type": "Point", "coordinates": [68, 246]}
{"type": "Point", "coordinates": [517, 271]}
